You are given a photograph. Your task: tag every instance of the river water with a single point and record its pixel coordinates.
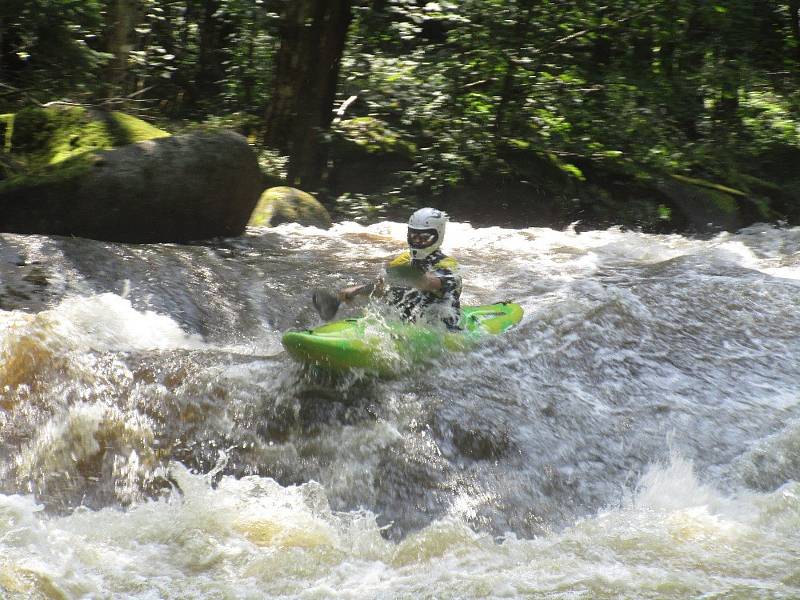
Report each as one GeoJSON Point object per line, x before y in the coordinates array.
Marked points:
{"type": "Point", "coordinates": [637, 436]}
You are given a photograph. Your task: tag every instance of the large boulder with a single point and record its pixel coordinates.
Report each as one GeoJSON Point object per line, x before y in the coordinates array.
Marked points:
{"type": "Point", "coordinates": [710, 207]}
{"type": "Point", "coordinates": [163, 189]}
{"type": "Point", "coordinates": [289, 205]}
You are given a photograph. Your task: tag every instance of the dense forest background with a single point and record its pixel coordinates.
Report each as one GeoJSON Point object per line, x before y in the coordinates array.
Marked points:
{"type": "Point", "coordinates": [641, 113]}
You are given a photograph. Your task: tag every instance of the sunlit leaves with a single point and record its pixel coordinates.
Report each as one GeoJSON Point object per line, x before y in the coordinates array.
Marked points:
{"type": "Point", "coordinates": [642, 84]}
{"type": "Point", "coordinates": [53, 41]}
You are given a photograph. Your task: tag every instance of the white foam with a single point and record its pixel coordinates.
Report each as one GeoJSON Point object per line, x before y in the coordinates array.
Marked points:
{"type": "Point", "coordinates": [104, 322]}
{"type": "Point", "coordinates": [249, 535]}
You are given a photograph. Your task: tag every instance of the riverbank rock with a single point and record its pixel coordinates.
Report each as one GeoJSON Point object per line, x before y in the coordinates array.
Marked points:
{"type": "Point", "coordinates": [110, 176]}
{"type": "Point", "coordinates": [709, 207]}
{"type": "Point", "coordinates": [289, 205]}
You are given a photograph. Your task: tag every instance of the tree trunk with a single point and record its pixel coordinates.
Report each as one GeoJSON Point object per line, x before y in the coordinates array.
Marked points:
{"type": "Point", "coordinates": [687, 94]}
{"type": "Point", "coordinates": [507, 91]}
{"type": "Point", "coordinates": [2, 30]}
{"type": "Point", "coordinates": [794, 13]}
{"type": "Point", "coordinates": [248, 80]}
{"type": "Point", "coordinates": [727, 105]}
{"type": "Point", "coordinates": [602, 45]}
{"type": "Point", "coordinates": [122, 18]}
{"type": "Point", "coordinates": [210, 70]}
{"type": "Point", "coordinates": [301, 110]}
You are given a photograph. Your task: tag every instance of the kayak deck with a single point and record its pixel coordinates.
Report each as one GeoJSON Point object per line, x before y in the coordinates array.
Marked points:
{"type": "Point", "coordinates": [369, 343]}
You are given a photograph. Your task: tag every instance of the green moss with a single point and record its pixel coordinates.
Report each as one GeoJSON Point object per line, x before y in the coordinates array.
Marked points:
{"type": "Point", "coordinates": [69, 169]}
{"type": "Point", "coordinates": [709, 185]}
{"type": "Point", "coordinates": [723, 197]}
{"type": "Point", "coordinates": [724, 201]}
{"type": "Point", "coordinates": [32, 129]}
{"type": "Point", "coordinates": [73, 140]}
{"type": "Point", "coordinates": [289, 205]}
{"type": "Point", "coordinates": [61, 142]}
{"type": "Point", "coordinates": [134, 130]}
{"type": "Point", "coordinates": [7, 125]}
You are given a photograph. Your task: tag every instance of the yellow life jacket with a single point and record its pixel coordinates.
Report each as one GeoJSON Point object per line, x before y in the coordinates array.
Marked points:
{"type": "Point", "coordinates": [404, 261]}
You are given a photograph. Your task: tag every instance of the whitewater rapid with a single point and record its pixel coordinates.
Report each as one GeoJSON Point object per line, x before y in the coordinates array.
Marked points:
{"type": "Point", "coordinates": [637, 436]}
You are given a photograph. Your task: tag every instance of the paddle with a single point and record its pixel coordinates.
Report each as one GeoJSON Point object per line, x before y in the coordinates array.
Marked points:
{"type": "Point", "coordinates": [327, 303]}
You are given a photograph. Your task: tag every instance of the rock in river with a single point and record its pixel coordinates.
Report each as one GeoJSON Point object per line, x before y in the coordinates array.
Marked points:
{"type": "Point", "coordinates": [74, 172]}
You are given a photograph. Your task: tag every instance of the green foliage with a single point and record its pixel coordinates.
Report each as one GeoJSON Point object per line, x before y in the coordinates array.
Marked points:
{"type": "Point", "coordinates": [629, 89]}
{"type": "Point", "coordinates": [768, 118]}
{"type": "Point", "coordinates": [205, 57]}
{"type": "Point", "coordinates": [273, 163]}
{"type": "Point", "coordinates": [52, 44]}
{"type": "Point", "coordinates": [360, 208]}
{"type": "Point", "coordinates": [374, 136]}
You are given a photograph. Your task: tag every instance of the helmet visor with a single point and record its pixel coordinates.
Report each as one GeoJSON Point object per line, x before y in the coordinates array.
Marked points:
{"type": "Point", "coordinates": [422, 238]}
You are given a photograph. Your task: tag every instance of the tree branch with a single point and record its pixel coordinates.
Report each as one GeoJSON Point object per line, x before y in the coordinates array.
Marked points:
{"type": "Point", "coordinates": [343, 108]}
{"type": "Point", "coordinates": [588, 30]}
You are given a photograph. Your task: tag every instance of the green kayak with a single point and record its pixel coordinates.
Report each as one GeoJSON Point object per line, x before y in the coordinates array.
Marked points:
{"type": "Point", "coordinates": [373, 344]}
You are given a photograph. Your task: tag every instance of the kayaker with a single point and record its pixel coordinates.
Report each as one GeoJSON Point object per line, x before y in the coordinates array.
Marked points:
{"type": "Point", "coordinates": [422, 282]}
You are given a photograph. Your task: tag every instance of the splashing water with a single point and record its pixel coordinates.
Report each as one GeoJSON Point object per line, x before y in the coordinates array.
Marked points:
{"type": "Point", "coordinates": [636, 436]}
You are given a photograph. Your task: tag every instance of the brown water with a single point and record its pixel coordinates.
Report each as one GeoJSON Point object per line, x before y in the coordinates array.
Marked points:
{"type": "Point", "coordinates": [636, 436]}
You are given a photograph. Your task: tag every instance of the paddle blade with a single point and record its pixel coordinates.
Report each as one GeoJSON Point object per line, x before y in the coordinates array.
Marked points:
{"type": "Point", "coordinates": [325, 303]}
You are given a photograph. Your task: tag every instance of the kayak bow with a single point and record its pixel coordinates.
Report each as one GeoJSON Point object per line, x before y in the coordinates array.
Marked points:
{"type": "Point", "coordinates": [369, 343]}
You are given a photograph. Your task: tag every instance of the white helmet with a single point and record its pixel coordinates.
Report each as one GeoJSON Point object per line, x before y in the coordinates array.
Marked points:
{"type": "Point", "coordinates": [425, 232]}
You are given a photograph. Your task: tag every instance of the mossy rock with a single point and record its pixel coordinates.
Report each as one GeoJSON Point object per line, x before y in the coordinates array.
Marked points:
{"type": "Point", "coordinates": [707, 206]}
{"type": "Point", "coordinates": [68, 170]}
{"type": "Point", "coordinates": [60, 142]}
{"type": "Point", "coordinates": [169, 189]}
{"type": "Point", "coordinates": [289, 205]}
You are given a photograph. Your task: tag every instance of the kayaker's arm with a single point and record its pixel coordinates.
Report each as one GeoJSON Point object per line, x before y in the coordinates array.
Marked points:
{"type": "Point", "coordinates": [349, 293]}
{"type": "Point", "coordinates": [428, 282]}
{"type": "Point", "coordinates": [411, 277]}
{"type": "Point", "coordinates": [327, 304]}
